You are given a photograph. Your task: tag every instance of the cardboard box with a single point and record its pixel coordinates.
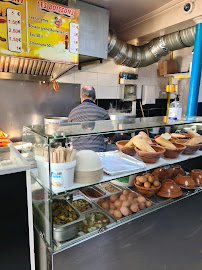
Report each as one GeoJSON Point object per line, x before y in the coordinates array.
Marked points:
{"type": "Point", "coordinates": [167, 67]}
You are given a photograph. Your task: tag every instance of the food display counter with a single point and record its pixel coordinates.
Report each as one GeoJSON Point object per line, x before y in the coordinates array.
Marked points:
{"type": "Point", "coordinates": [107, 215]}
{"type": "Point", "coordinates": [17, 239]}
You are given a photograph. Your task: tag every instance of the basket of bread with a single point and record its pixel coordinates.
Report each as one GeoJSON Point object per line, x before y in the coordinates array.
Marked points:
{"type": "Point", "coordinates": [145, 149]}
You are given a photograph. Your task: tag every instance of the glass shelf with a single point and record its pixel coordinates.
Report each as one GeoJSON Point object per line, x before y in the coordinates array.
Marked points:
{"type": "Point", "coordinates": [161, 163]}
{"type": "Point", "coordinates": [107, 126]}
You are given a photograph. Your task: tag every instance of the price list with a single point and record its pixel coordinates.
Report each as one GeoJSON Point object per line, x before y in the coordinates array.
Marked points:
{"type": "Point", "coordinates": [74, 37]}
{"type": "Point", "coordinates": [14, 30]}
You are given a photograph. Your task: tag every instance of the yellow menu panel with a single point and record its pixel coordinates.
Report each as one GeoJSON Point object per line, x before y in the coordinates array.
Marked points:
{"type": "Point", "coordinates": [39, 30]}
{"type": "Point", "coordinates": [13, 39]}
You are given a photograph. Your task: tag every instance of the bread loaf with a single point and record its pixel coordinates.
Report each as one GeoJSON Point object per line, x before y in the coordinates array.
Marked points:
{"type": "Point", "coordinates": [194, 141]}
{"type": "Point", "coordinates": [160, 140]}
{"type": "Point", "coordinates": [177, 135]}
{"type": "Point", "coordinates": [130, 143]}
{"type": "Point", "coordinates": [192, 134]}
{"type": "Point", "coordinates": [145, 137]}
{"type": "Point", "coordinates": [143, 145]}
{"type": "Point", "coordinates": [166, 136]}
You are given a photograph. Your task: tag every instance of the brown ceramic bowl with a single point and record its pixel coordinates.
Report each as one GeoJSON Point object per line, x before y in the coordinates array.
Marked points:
{"type": "Point", "coordinates": [196, 174]}
{"type": "Point", "coordinates": [190, 149]}
{"type": "Point", "coordinates": [147, 192]}
{"type": "Point", "coordinates": [162, 173]}
{"type": "Point", "coordinates": [129, 150]}
{"type": "Point", "coordinates": [174, 153]}
{"type": "Point", "coordinates": [154, 142]}
{"type": "Point", "coordinates": [185, 181]}
{"type": "Point", "coordinates": [148, 157]}
{"type": "Point", "coordinates": [169, 189]}
{"type": "Point", "coordinates": [174, 170]}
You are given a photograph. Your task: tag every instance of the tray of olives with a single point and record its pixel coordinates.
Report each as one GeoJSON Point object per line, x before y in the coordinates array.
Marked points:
{"type": "Point", "coordinates": [81, 203]}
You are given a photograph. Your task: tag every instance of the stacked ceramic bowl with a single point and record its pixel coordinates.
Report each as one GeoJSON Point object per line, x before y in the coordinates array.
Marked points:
{"type": "Point", "coordinates": [89, 169]}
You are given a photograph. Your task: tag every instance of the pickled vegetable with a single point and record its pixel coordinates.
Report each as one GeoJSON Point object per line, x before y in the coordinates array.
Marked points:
{"type": "Point", "coordinates": [62, 212]}
{"type": "Point", "coordinates": [92, 222]}
{"type": "Point", "coordinates": [81, 205]}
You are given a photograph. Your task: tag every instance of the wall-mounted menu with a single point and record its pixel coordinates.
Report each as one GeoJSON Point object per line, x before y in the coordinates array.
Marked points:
{"type": "Point", "coordinates": [39, 30]}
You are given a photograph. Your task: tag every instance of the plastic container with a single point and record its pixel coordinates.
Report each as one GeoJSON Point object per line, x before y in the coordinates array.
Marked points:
{"type": "Point", "coordinates": [126, 181]}
{"type": "Point", "coordinates": [175, 110]}
{"type": "Point", "coordinates": [43, 172]}
{"type": "Point", "coordinates": [62, 174]}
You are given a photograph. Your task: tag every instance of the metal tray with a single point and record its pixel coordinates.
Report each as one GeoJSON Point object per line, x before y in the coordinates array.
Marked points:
{"type": "Point", "coordinates": [101, 229]}
{"type": "Point", "coordinates": [61, 232]}
{"type": "Point", "coordinates": [94, 188]}
{"type": "Point", "coordinates": [77, 196]}
{"type": "Point", "coordinates": [129, 216]}
{"type": "Point", "coordinates": [89, 234]}
{"type": "Point", "coordinates": [119, 189]}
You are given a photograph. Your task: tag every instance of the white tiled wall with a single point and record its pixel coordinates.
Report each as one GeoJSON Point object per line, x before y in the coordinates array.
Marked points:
{"type": "Point", "coordinates": [148, 76]}
{"type": "Point", "coordinates": [103, 77]}
{"type": "Point", "coordinates": [184, 58]}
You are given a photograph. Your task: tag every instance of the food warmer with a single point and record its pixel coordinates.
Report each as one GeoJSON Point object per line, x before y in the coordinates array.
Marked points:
{"type": "Point", "coordinates": [166, 235]}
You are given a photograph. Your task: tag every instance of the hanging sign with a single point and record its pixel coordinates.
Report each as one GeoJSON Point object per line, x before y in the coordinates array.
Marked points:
{"type": "Point", "coordinates": [39, 30]}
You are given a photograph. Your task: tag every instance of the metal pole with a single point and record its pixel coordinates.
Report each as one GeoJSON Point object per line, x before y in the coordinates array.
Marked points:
{"type": "Point", "coordinates": [194, 86]}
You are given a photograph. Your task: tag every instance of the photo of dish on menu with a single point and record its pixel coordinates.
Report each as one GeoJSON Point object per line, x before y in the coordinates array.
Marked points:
{"type": "Point", "coordinates": [39, 30]}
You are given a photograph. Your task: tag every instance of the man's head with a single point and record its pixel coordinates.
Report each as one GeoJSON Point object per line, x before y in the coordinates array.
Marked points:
{"type": "Point", "coordinates": [88, 92]}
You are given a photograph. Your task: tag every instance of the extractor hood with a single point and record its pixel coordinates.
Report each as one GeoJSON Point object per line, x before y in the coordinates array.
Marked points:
{"type": "Point", "coordinates": [93, 44]}
{"type": "Point", "coordinates": [30, 70]}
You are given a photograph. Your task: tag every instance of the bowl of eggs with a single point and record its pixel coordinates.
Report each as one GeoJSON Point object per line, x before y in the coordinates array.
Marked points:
{"type": "Point", "coordinates": [147, 184]}
{"type": "Point", "coordinates": [124, 203]}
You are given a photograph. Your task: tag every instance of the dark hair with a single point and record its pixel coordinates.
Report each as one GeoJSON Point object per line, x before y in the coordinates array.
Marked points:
{"type": "Point", "coordinates": [88, 92]}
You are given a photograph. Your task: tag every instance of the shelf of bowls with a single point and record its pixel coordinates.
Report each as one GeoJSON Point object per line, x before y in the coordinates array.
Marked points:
{"type": "Point", "coordinates": [72, 170]}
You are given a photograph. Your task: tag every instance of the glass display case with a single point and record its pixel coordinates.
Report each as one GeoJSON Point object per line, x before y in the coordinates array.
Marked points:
{"type": "Point", "coordinates": [70, 202]}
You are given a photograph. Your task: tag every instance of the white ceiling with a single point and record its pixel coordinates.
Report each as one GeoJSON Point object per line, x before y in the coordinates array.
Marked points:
{"type": "Point", "coordinates": [123, 12]}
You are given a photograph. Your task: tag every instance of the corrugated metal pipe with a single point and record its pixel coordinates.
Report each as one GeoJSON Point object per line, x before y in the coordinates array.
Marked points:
{"type": "Point", "coordinates": [140, 56]}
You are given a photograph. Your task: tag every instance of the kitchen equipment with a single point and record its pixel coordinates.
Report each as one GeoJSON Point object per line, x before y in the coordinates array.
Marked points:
{"type": "Point", "coordinates": [121, 116]}
{"type": "Point", "coordinates": [52, 124]}
{"type": "Point", "coordinates": [129, 92]}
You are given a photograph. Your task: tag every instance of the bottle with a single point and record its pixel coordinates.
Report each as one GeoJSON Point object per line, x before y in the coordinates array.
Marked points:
{"type": "Point", "coordinates": [175, 110]}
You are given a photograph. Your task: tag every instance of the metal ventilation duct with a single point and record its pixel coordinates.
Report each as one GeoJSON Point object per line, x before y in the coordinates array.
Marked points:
{"type": "Point", "coordinates": [140, 56]}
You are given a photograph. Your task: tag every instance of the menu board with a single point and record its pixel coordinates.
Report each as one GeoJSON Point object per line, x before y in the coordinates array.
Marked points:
{"type": "Point", "coordinates": [39, 30]}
